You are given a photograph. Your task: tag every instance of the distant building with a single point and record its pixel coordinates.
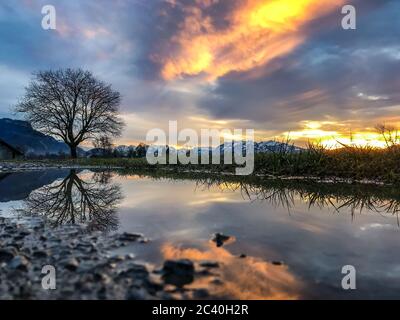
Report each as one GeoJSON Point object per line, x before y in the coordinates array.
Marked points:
{"type": "Point", "coordinates": [8, 152]}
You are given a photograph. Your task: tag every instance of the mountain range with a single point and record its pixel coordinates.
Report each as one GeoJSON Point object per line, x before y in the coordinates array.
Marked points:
{"type": "Point", "coordinates": [31, 142]}
{"type": "Point", "coordinates": [21, 135]}
{"type": "Point", "coordinates": [259, 147]}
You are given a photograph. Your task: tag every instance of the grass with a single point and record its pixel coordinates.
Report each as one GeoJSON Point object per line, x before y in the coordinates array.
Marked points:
{"type": "Point", "coordinates": [356, 163]}
{"type": "Point", "coordinates": [352, 163]}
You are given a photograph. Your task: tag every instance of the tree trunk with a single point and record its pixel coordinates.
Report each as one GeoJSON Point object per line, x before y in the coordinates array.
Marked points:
{"type": "Point", "coordinates": [74, 154]}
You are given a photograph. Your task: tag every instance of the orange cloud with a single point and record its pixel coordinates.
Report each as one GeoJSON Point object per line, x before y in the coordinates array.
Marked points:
{"type": "Point", "coordinates": [259, 31]}
{"type": "Point", "coordinates": [249, 278]}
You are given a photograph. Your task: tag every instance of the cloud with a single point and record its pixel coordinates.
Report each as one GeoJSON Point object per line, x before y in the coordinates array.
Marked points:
{"type": "Point", "coordinates": [321, 79]}
{"type": "Point", "coordinates": [266, 280]}
{"type": "Point", "coordinates": [258, 64]}
{"type": "Point", "coordinates": [256, 32]}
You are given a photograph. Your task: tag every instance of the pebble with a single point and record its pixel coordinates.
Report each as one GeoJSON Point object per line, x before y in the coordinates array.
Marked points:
{"type": "Point", "coordinates": [200, 293]}
{"type": "Point", "coordinates": [71, 264]}
{"type": "Point", "coordinates": [6, 255]}
{"type": "Point", "coordinates": [19, 262]}
{"type": "Point", "coordinates": [126, 236]}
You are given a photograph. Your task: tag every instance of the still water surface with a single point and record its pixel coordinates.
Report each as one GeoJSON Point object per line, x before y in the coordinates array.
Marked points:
{"type": "Point", "coordinates": [295, 238]}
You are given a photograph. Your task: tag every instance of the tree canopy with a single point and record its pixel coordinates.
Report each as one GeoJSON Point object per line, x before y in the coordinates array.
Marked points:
{"type": "Point", "coordinates": [71, 104]}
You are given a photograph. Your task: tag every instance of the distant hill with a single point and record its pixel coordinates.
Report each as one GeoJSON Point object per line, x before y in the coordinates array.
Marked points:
{"type": "Point", "coordinates": [22, 136]}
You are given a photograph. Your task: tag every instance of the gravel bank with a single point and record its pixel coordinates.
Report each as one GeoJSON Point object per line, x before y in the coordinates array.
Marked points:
{"type": "Point", "coordinates": [84, 267]}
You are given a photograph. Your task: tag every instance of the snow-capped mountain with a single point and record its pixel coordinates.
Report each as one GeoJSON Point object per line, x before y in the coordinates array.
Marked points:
{"type": "Point", "coordinates": [202, 150]}
{"type": "Point", "coordinates": [259, 147]}
{"type": "Point", "coordinates": [235, 146]}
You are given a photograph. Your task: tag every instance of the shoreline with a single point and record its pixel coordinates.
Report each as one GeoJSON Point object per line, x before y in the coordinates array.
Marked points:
{"type": "Point", "coordinates": [24, 166]}
{"type": "Point", "coordinates": [85, 266]}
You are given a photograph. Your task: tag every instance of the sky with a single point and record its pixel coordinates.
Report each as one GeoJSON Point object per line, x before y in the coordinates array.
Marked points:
{"type": "Point", "coordinates": [280, 67]}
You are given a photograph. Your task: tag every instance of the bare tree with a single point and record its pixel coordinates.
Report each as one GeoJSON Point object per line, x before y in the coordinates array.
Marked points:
{"type": "Point", "coordinates": [72, 105]}
{"type": "Point", "coordinates": [104, 144]}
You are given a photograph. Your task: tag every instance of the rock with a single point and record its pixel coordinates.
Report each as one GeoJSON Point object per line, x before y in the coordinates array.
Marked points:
{"type": "Point", "coordinates": [117, 258]}
{"type": "Point", "coordinates": [127, 236]}
{"type": "Point", "coordinates": [71, 264]}
{"type": "Point", "coordinates": [100, 276]}
{"type": "Point", "coordinates": [182, 266]}
{"type": "Point", "coordinates": [19, 262]}
{"type": "Point", "coordinates": [7, 254]}
{"type": "Point", "coordinates": [136, 294]}
{"type": "Point", "coordinates": [220, 239]}
{"type": "Point", "coordinates": [138, 269]}
{"type": "Point", "coordinates": [178, 272]}
{"type": "Point", "coordinates": [200, 293]}
{"type": "Point", "coordinates": [217, 282]}
{"type": "Point", "coordinates": [153, 287]}
{"type": "Point", "coordinates": [24, 233]}
{"type": "Point", "coordinates": [177, 279]}
{"type": "Point", "coordinates": [204, 273]}
{"type": "Point", "coordinates": [135, 271]}
{"type": "Point", "coordinates": [112, 265]}
{"type": "Point", "coordinates": [130, 256]}
{"type": "Point", "coordinates": [40, 254]}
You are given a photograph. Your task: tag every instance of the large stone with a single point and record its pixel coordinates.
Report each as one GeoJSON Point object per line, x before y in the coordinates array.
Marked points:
{"type": "Point", "coordinates": [183, 266]}
{"type": "Point", "coordinates": [220, 239]}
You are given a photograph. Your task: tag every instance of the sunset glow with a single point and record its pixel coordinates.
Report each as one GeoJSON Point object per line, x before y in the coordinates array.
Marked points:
{"type": "Point", "coordinates": [285, 68]}
{"type": "Point", "coordinates": [314, 132]}
{"type": "Point", "coordinates": [259, 32]}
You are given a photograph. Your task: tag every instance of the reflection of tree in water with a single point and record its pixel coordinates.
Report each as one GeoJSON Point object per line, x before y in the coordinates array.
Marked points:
{"type": "Point", "coordinates": [75, 200]}
{"type": "Point", "coordinates": [356, 198]}
{"type": "Point", "coordinates": [102, 177]}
